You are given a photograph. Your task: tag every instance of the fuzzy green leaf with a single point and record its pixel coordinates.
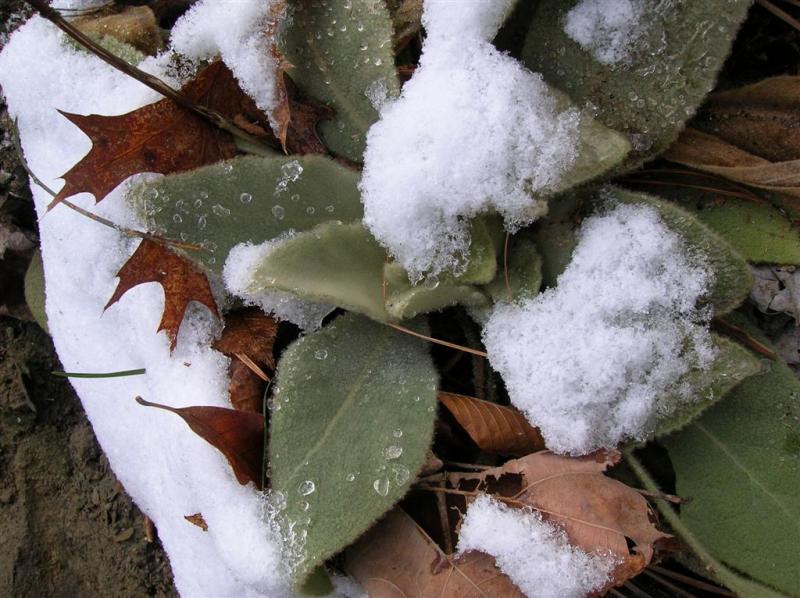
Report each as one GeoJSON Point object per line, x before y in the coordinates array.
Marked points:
{"type": "Point", "coordinates": [342, 55]}
{"type": "Point", "coordinates": [524, 272]}
{"type": "Point", "coordinates": [740, 463]}
{"type": "Point", "coordinates": [758, 231]}
{"type": "Point", "coordinates": [351, 423]}
{"type": "Point", "coordinates": [34, 290]}
{"type": "Point", "coordinates": [732, 279]}
{"type": "Point", "coordinates": [649, 95]}
{"type": "Point", "coordinates": [555, 242]}
{"type": "Point", "coordinates": [334, 263]}
{"type": "Point", "coordinates": [247, 199]}
{"type": "Point", "coordinates": [733, 364]}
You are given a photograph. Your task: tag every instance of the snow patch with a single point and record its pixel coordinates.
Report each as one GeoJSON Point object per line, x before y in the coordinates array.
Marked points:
{"type": "Point", "coordinates": [606, 28]}
{"type": "Point", "coordinates": [240, 36]}
{"type": "Point", "coordinates": [168, 470]}
{"type": "Point", "coordinates": [533, 553]}
{"type": "Point", "coordinates": [591, 360]}
{"type": "Point", "coordinates": [242, 262]}
{"type": "Point", "coordinates": [472, 131]}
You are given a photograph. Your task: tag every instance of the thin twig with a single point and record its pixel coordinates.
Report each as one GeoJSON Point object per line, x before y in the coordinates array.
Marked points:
{"type": "Point", "coordinates": [742, 336]}
{"type": "Point", "coordinates": [253, 366]}
{"type": "Point", "coordinates": [154, 83]}
{"type": "Point", "coordinates": [129, 232]}
{"type": "Point", "coordinates": [780, 13]}
{"type": "Point", "coordinates": [444, 522]}
{"type": "Point", "coordinates": [691, 581]}
{"type": "Point", "coordinates": [676, 591]}
{"type": "Point", "coordinates": [437, 340]}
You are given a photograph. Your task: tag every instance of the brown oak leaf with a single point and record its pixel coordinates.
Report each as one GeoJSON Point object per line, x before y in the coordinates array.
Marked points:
{"type": "Point", "coordinates": [597, 513]}
{"type": "Point", "coordinates": [494, 428]}
{"type": "Point", "coordinates": [162, 137]}
{"type": "Point", "coordinates": [396, 558]}
{"type": "Point", "coordinates": [182, 283]}
{"type": "Point", "coordinates": [238, 435]}
{"type": "Point", "coordinates": [198, 520]}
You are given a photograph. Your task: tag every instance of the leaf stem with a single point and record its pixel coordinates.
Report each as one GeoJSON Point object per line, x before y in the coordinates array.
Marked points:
{"type": "Point", "coordinates": [121, 373]}
{"type": "Point", "coordinates": [154, 83]}
{"type": "Point", "coordinates": [437, 341]}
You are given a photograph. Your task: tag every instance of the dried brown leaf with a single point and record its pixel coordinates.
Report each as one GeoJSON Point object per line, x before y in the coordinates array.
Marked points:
{"type": "Point", "coordinates": [135, 25]}
{"type": "Point", "coordinates": [245, 388]}
{"type": "Point", "coordinates": [162, 137]}
{"type": "Point", "coordinates": [239, 435]}
{"type": "Point", "coordinates": [596, 512]}
{"type": "Point", "coordinates": [251, 332]}
{"type": "Point", "coordinates": [197, 519]}
{"type": "Point", "coordinates": [182, 283]}
{"type": "Point", "coordinates": [494, 428]}
{"type": "Point", "coordinates": [397, 559]}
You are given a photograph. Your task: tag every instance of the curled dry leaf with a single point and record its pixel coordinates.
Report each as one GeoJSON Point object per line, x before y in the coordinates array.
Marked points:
{"type": "Point", "coordinates": [182, 283]}
{"type": "Point", "coordinates": [494, 428]}
{"type": "Point", "coordinates": [197, 519]}
{"type": "Point", "coordinates": [397, 559]}
{"type": "Point", "coordinates": [249, 334]}
{"type": "Point", "coordinates": [135, 25]}
{"type": "Point", "coordinates": [238, 435]}
{"type": "Point", "coordinates": [597, 513]}
{"type": "Point", "coordinates": [749, 135]}
{"type": "Point", "coordinates": [162, 137]}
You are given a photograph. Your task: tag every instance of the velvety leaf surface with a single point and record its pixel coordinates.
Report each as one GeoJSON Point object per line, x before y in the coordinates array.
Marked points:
{"type": "Point", "coordinates": [181, 281]}
{"type": "Point", "coordinates": [733, 364]}
{"type": "Point", "coordinates": [248, 199]}
{"type": "Point", "coordinates": [740, 463]}
{"type": "Point", "coordinates": [161, 137]}
{"type": "Point", "coordinates": [35, 290]}
{"type": "Point", "coordinates": [334, 263]}
{"type": "Point", "coordinates": [352, 422]}
{"type": "Point", "coordinates": [494, 428]}
{"type": "Point", "coordinates": [238, 435]}
{"type": "Point", "coordinates": [341, 54]}
{"type": "Point", "coordinates": [521, 277]}
{"type": "Point", "coordinates": [397, 558]}
{"type": "Point", "coordinates": [645, 98]}
{"type": "Point", "coordinates": [758, 231]}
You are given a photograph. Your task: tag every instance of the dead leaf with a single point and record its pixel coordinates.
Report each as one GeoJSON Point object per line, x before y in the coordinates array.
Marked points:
{"type": "Point", "coordinates": [197, 519]}
{"type": "Point", "coordinates": [750, 135]}
{"type": "Point", "coordinates": [246, 389]}
{"type": "Point", "coordinates": [597, 513]}
{"type": "Point", "coordinates": [304, 115]}
{"type": "Point", "coordinates": [181, 281]}
{"type": "Point", "coordinates": [494, 428]}
{"type": "Point", "coordinates": [135, 25]}
{"type": "Point", "coordinates": [397, 559]}
{"type": "Point", "coordinates": [776, 290]}
{"type": "Point", "coordinates": [162, 137]}
{"type": "Point", "coordinates": [238, 435]}
{"type": "Point", "coordinates": [251, 332]}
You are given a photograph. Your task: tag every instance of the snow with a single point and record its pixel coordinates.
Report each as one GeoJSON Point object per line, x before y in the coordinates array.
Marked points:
{"type": "Point", "coordinates": [533, 553]}
{"type": "Point", "coordinates": [242, 262]}
{"type": "Point", "coordinates": [164, 466]}
{"type": "Point", "coordinates": [606, 28]}
{"type": "Point", "coordinates": [239, 35]}
{"type": "Point", "coordinates": [591, 361]}
{"type": "Point", "coordinates": [472, 131]}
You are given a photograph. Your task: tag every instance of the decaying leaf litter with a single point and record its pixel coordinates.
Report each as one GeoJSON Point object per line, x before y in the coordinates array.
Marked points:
{"type": "Point", "coordinates": [350, 413]}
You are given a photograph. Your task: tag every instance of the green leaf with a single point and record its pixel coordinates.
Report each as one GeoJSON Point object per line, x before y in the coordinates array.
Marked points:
{"type": "Point", "coordinates": [247, 199]}
{"type": "Point", "coordinates": [524, 272]}
{"type": "Point", "coordinates": [646, 97]}
{"type": "Point", "coordinates": [423, 299]}
{"type": "Point", "coordinates": [351, 423]}
{"type": "Point", "coordinates": [732, 279]}
{"type": "Point", "coordinates": [34, 290]}
{"type": "Point", "coordinates": [758, 231]}
{"type": "Point", "coordinates": [333, 263]}
{"type": "Point", "coordinates": [733, 364]}
{"type": "Point", "coordinates": [555, 242]}
{"type": "Point", "coordinates": [342, 54]}
{"type": "Point", "coordinates": [740, 463]}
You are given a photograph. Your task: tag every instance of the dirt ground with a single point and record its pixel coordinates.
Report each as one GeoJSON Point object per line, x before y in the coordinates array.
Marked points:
{"type": "Point", "coordinates": [67, 527]}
